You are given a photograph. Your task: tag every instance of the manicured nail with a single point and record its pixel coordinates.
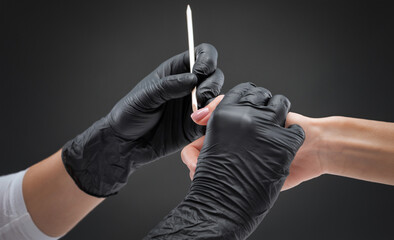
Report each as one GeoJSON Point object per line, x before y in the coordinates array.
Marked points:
{"type": "Point", "coordinates": [200, 114]}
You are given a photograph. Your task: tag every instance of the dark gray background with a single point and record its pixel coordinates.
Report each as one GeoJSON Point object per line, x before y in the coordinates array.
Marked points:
{"type": "Point", "coordinates": [64, 64]}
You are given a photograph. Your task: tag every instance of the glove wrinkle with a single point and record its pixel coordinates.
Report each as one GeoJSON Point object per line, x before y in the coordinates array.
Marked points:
{"type": "Point", "coordinates": [150, 122]}
{"type": "Point", "coordinates": [241, 168]}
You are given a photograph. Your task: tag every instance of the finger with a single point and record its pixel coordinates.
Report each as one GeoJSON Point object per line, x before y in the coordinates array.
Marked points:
{"type": "Point", "coordinates": [281, 106]}
{"type": "Point", "coordinates": [197, 145]}
{"type": "Point", "coordinates": [300, 133]}
{"type": "Point", "coordinates": [206, 62]}
{"type": "Point", "coordinates": [237, 92]}
{"type": "Point", "coordinates": [190, 155]}
{"type": "Point", "coordinates": [171, 87]}
{"type": "Point", "coordinates": [210, 87]}
{"type": "Point", "coordinates": [202, 115]}
{"type": "Point", "coordinates": [257, 96]}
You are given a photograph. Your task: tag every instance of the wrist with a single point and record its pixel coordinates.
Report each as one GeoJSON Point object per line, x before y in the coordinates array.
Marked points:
{"type": "Point", "coordinates": [94, 161]}
{"type": "Point", "coordinates": [330, 142]}
{"type": "Point", "coordinates": [312, 153]}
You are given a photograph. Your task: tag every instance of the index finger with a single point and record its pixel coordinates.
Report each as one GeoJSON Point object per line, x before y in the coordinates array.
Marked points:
{"type": "Point", "coordinates": [281, 106]}
{"type": "Point", "coordinates": [206, 62]}
{"type": "Point", "coordinates": [190, 155]}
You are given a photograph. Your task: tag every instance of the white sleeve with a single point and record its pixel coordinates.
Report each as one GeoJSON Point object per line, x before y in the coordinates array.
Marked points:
{"type": "Point", "coordinates": [15, 221]}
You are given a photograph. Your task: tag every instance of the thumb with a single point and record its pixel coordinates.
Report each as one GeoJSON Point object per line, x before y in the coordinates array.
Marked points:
{"type": "Point", "coordinates": [172, 87]}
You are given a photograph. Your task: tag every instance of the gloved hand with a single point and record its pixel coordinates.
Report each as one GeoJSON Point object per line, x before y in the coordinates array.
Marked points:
{"type": "Point", "coordinates": [151, 121]}
{"type": "Point", "coordinates": [241, 168]}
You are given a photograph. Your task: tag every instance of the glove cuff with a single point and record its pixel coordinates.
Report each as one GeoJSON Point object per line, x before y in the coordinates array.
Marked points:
{"type": "Point", "coordinates": [94, 160]}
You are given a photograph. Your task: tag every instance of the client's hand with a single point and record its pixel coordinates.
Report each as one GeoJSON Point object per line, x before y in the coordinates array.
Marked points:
{"type": "Point", "coordinates": [191, 152]}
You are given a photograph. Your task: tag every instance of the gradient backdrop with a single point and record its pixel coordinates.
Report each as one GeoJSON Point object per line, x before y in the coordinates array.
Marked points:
{"type": "Point", "coordinates": [64, 64]}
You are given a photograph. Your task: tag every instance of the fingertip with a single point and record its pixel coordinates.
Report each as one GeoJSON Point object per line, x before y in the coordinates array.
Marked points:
{"type": "Point", "coordinates": [297, 128]}
{"type": "Point", "coordinates": [211, 107]}
{"type": "Point", "coordinates": [198, 115]}
{"type": "Point", "coordinates": [282, 99]}
{"type": "Point", "coordinates": [207, 49]}
{"type": "Point", "coordinates": [204, 120]}
{"type": "Point", "coordinates": [217, 100]}
{"type": "Point", "coordinates": [207, 46]}
{"type": "Point", "coordinates": [281, 106]}
{"type": "Point", "coordinates": [206, 60]}
{"type": "Point", "coordinates": [298, 131]}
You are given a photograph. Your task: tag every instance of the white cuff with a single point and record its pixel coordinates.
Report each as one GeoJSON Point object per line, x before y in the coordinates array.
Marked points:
{"type": "Point", "coordinates": [15, 221]}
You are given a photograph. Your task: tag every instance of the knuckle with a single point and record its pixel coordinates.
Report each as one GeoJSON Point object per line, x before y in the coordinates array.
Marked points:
{"type": "Point", "coordinates": [233, 119]}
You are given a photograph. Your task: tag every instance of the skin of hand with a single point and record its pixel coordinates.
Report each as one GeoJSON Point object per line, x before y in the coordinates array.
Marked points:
{"type": "Point", "coordinates": [349, 147]}
{"type": "Point", "coordinates": [307, 163]}
{"type": "Point", "coordinates": [150, 122]}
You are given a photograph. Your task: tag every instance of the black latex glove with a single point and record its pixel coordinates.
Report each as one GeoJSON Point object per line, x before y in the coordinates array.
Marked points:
{"type": "Point", "coordinates": [241, 168]}
{"type": "Point", "coordinates": [150, 122]}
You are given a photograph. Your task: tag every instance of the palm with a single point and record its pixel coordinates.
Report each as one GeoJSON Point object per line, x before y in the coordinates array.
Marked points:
{"type": "Point", "coordinates": [154, 118]}
{"type": "Point", "coordinates": [175, 124]}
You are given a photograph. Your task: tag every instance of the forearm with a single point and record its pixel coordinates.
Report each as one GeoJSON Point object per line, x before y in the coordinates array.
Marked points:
{"type": "Point", "coordinates": [357, 148]}
{"type": "Point", "coordinates": [52, 199]}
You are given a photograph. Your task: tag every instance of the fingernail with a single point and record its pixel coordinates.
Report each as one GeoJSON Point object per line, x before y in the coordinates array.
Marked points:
{"type": "Point", "coordinates": [200, 114]}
